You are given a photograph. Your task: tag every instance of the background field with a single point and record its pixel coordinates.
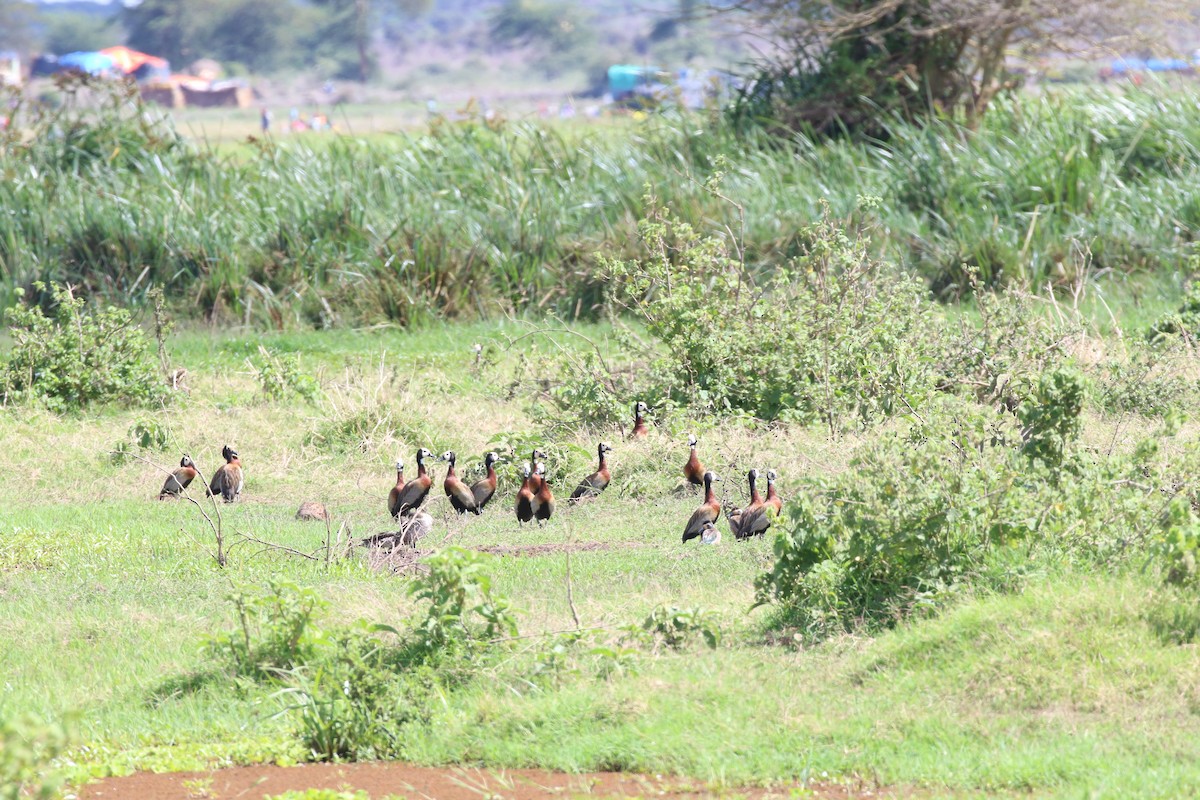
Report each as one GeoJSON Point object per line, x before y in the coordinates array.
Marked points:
{"type": "Point", "coordinates": [1071, 685]}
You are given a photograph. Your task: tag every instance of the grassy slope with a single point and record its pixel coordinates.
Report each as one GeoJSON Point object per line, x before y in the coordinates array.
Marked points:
{"type": "Point", "coordinates": [1073, 686]}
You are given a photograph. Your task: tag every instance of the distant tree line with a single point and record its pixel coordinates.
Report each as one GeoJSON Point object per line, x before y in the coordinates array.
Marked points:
{"type": "Point", "coordinates": [332, 36]}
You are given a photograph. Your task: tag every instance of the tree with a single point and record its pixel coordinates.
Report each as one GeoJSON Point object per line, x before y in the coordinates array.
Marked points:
{"type": "Point", "coordinates": [165, 28]}
{"type": "Point", "coordinates": [351, 24]}
{"type": "Point", "coordinates": [67, 31]}
{"type": "Point", "coordinates": [16, 17]}
{"type": "Point", "coordinates": [847, 65]}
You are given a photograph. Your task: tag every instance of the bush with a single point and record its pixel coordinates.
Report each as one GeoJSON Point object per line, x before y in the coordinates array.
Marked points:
{"type": "Point", "coordinates": [275, 631]}
{"type": "Point", "coordinates": [280, 376]}
{"type": "Point", "coordinates": [463, 612]}
{"type": "Point", "coordinates": [958, 506]}
{"type": "Point", "coordinates": [354, 704]}
{"type": "Point", "coordinates": [79, 357]}
{"type": "Point", "coordinates": [834, 334]}
{"type": "Point", "coordinates": [27, 748]}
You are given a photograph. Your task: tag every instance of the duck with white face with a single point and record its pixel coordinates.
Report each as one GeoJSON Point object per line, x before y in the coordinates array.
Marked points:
{"type": "Point", "coordinates": [461, 498]}
{"type": "Point", "coordinates": [543, 498]}
{"type": "Point", "coordinates": [393, 501]}
{"type": "Point", "coordinates": [524, 508]}
{"type": "Point", "coordinates": [413, 494]}
{"type": "Point", "coordinates": [228, 479]}
{"type": "Point", "coordinates": [484, 489]}
{"type": "Point", "coordinates": [179, 480]}
{"type": "Point", "coordinates": [640, 428]}
{"type": "Point", "coordinates": [598, 481]}
{"type": "Point", "coordinates": [693, 470]}
{"type": "Point", "coordinates": [709, 510]}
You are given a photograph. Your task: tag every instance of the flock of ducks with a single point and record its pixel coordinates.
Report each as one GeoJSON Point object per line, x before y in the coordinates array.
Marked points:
{"type": "Point", "coordinates": [535, 498]}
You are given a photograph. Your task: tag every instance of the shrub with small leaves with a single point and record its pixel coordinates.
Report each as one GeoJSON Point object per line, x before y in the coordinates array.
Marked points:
{"type": "Point", "coordinates": [463, 611]}
{"type": "Point", "coordinates": [676, 627]}
{"type": "Point", "coordinates": [834, 336]}
{"type": "Point", "coordinates": [275, 631]}
{"type": "Point", "coordinates": [78, 357]}
{"type": "Point", "coordinates": [27, 748]}
{"type": "Point", "coordinates": [1178, 546]}
{"type": "Point", "coordinates": [281, 377]}
{"type": "Point", "coordinates": [958, 504]}
{"type": "Point", "coordinates": [1050, 416]}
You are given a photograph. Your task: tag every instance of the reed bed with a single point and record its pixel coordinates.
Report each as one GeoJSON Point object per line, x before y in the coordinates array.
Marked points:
{"type": "Point", "coordinates": [471, 220]}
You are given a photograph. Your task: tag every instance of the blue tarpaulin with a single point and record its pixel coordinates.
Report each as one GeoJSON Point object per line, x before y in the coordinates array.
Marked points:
{"type": "Point", "coordinates": [93, 63]}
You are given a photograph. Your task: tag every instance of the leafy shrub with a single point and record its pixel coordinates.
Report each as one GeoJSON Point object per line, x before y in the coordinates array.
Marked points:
{"type": "Point", "coordinates": [145, 435]}
{"type": "Point", "coordinates": [1050, 415]}
{"type": "Point", "coordinates": [1183, 322]}
{"type": "Point", "coordinates": [1178, 547]}
{"type": "Point", "coordinates": [676, 627]}
{"type": "Point", "coordinates": [27, 748]}
{"type": "Point", "coordinates": [957, 505]}
{"type": "Point", "coordinates": [280, 376]}
{"type": "Point", "coordinates": [1000, 358]}
{"type": "Point", "coordinates": [355, 703]}
{"type": "Point", "coordinates": [79, 357]}
{"type": "Point", "coordinates": [463, 611]}
{"type": "Point", "coordinates": [1147, 382]}
{"type": "Point", "coordinates": [275, 631]}
{"type": "Point", "coordinates": [834, 333]}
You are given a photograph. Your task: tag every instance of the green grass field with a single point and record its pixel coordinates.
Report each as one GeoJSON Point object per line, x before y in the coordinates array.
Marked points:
{"type": "Point", "coordinates": [1074, 684]}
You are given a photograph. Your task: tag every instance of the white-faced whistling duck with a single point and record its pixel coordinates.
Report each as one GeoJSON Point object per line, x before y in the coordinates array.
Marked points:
{"type": "Point", "coordinates": [693, 470]}
{"type": "Point", "coordinates": [595, 483]}
{"type": "Point", "coordinates": [543, 499]}
{"type": "Point", "coordinates": [745, 523]}
{"type": "Point", "coordinates": [709, 534]}
{"type": "Point", "coordinates": [394, 495]}
{"type": "Point", "coordinates": [709, 510]}
{"type": "Point", "coordinates": [458, 492]}
{"type": "Point", "coordinates": [525, 496]}
{"type": "Point", "coordinates": [415, 491]}
{"type": "Point", "coordinates": [485, 488]}
{"type": "Point", "coordinates": [640, 429]}
{"type": "Point", "coordinates": [227, 481]}
{"type": "Point", "coordinates": [773, 499]}
{"type": "Point", "coordinates": [179, 480]}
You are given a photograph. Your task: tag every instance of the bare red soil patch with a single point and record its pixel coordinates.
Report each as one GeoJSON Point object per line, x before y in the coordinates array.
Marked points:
{"type": "Point", "coordinates": [429, 783]}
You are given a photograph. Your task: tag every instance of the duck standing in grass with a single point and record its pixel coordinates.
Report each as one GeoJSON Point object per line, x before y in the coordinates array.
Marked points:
{"type": "Point", "coordinates": [760, 514]}
{"type": "Point", "coordinates": [543, 498]}
{"type": "Point", "coordinates": [485, 488]}
{"type": "Point", "coordinates": [461, 497]}
{"type": "Point", "coordinates": [179, 480]}
{"type": "Point", "coordinates": [640, 428]}
{"type": "Point", "coordinates": [709, 510]}
{"type": "Point", "coordinates": [393, 501]}
{"type": "Point", "coordinates": [525, 496]}
{"type": "Point", "coordinates": [739, 520]}
{"type": "Point", "coordinates": [227, 481]}
{"type": "Point", "coordinates": [693, 470]}
{"type": "Point", "coordinates": [415, 491]}
{"type": "Point", "coordinates": [597, 482]}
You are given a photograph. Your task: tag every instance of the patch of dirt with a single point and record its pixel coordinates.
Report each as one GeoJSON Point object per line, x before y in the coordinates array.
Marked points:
{"type": "Point", "coordinates": [429, 783]}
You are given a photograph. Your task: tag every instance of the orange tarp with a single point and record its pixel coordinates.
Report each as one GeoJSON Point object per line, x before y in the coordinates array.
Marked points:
{"type": "Point", "coordinates": [128, 60]}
